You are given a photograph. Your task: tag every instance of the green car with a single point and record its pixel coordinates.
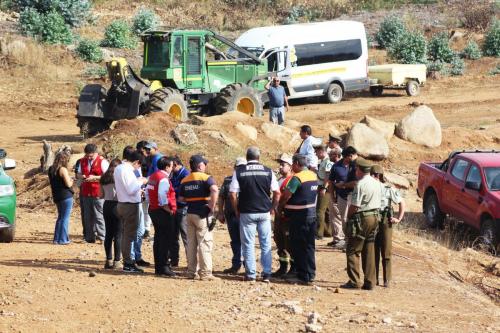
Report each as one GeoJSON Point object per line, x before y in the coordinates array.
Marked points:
{"type": "Point", "coordinates": [7, 199]}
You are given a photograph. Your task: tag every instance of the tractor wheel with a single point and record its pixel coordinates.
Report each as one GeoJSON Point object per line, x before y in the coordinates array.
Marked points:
{"type": "Point", "coordinates": [90, 126]}
{"type": "Point", "coordinates": [7, 234]}
{"type": "Point", "coordinates": [168, 100]}
{"type": "Point", "coordinates": [432, 212]}
{"type": "Point", "coordinates": [239, 97]}
{"type": "Point", "coordinates": [412, 88]}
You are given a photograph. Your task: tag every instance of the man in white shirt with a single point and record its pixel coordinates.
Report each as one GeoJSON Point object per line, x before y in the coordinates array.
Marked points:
{"type": "Point", "coordinates": [128, 191]}
{"type": "Point", "coordinates": [306, 148]}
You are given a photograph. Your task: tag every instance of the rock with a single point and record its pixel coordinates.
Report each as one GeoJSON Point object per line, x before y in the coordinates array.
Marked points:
{"type": "Point", "coordinates": [292, 307]}
{"type": "Point", "coordinates": [397, 180]}
{"type": "Point", "coordinates": [286, 137]}
{"type": "Point", "coordinates": [420, 127]}
{"type": "Point", "coordinates": [387, 320]}
{"type": "Point", "coordinates": [223, 138]}
{"type": "Point", "coordinates": [247, 130]}
{"type": "Point", "coordinates": [383, 127]}
{"type": "Point", "coordinates": [313, 318]}
{"type": "Point", "coordinates": [368, 142]}
{"type": "Point", "coordinates": [359, 319]}
{"type": "Point", "coordinates": [313, 328]}
{"type": "Point", "coordinates": [184, 135]}
{"type": "Point", "coordinates": [337, 291]}
{"type": "Point", "coordinates": [92, 274]}
{"type": "Point", "coordinates": [70, 270]}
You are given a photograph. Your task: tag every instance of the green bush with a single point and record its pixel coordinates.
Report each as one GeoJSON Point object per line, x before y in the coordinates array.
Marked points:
{"type": "Point", "coordinates": [30, 22]}
{"type": "Point", "coordinates": [471, 51]}
{"type": "Point", "coordinates": [95, 72]}
{"type": "Point", "coordinates": [74, 12]}
{"type": "Point", "coordinates": [457, 66]}
{"type": "Point", "coordinates": [491, 45]}
{"type": "Point", "coordinates": [410, 48]}
{"type": "Point", "coordinates": [435, 66]}
{"type": "Point", "coordinates": [89, 50]}
{"type": "Point", "coordinates": [439, 48]}
{"type": "Point", "coordinates": [391, 29]}
{"type": "Point", "coordinates": [119, 35]}
{"type": "Point", "coordinates": [145, 19]}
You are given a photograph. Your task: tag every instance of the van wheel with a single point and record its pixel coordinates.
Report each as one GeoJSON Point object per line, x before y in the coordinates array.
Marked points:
{"type": "Point", "coordinates": [433, 214]}
{"type": "Point", "coordinates": [334, 93]}
{"type": "Point", "coordinates": [412, 88]}
{"type": "Point", "coordinates": [376, 90]}
{"type": "Point", "coordinates": [7, 234]}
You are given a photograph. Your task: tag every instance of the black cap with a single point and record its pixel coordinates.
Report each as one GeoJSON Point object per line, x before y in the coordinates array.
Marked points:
{"type": "Point", "coordinates": [197, 159]}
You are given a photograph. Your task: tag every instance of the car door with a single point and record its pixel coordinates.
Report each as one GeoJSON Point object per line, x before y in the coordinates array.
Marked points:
{"type": "Point", "coordinates": [453, 185]}
{"type": "Point", "coordinates": [471, 199]}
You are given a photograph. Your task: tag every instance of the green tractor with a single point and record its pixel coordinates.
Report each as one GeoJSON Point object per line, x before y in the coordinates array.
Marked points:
{"type": "Point", "coordinates": [184, 72]}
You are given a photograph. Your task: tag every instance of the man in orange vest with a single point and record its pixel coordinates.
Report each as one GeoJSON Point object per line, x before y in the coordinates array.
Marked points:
{"type": "Point", "coordinates": [90, 169]}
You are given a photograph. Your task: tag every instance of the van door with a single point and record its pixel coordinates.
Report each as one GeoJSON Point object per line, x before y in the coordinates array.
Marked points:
{"type": "Point", "coordinates": [278, 63]}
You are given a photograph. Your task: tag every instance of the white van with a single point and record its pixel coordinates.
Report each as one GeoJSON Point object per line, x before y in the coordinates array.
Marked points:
{"type": "Point", "coordinates": [327, 58]}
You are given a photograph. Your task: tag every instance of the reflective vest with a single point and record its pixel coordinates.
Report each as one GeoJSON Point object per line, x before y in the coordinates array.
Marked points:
{"type": "Point", "coordinates": [153, 186]}
{"type": "Point", "coordinates": [305, 196]}
{"type": "Point", "coordinates": [91, 189]}
{"type": "Point", "coordinates": [255, 188]}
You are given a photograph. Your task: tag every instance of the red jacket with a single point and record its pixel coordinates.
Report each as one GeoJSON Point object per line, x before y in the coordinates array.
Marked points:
{"type": "Point", "coordinates": [153, 185]}
{"type": "Point", "coordinates": [91, 189]}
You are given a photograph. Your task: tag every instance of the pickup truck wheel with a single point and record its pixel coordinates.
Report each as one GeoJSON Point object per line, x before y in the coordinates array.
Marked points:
{"type": "Point", "coordinates": [432, 212]}
{"type": "Point", "coordinates": [412, 88]}
{"type": "Point", "coordinates": [488, 236]}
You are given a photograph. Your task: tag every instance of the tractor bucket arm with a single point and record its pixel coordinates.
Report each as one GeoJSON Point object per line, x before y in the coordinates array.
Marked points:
{"type": "Point", "coordinates": [236, 47]}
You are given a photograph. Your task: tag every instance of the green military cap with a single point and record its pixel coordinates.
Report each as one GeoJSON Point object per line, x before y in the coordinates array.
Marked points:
{"type": "Point", "coordinates": [377, 169]}
{"type": "Point", "coordinates": [364, 164]}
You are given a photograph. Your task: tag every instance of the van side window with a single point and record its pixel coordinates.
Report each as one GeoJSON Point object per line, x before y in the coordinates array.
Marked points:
{"type": "Point", "coordinates": [459, 168]}
{"type": "Point", "coordinates": [320, 53]}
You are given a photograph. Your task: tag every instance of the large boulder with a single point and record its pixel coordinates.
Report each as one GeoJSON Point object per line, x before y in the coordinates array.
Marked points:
{"type": "Point", "coordinates": [287, 138]}
{"type": "Point", "coordinates": [383, 127]}
{"type": "Point", "coordinates": [184, 134]}
{"type": "Point", "coordinates": [247, 130]}
{"type": "Point", "coordinates": [368, 142]}
{"type": "Point", "coordinates": [397, 180]}
{"type": "Point", "coordinates": [420, 127]}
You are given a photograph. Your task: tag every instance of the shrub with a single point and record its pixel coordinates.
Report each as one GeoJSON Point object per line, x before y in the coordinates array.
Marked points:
{"type": "Point", "coordinates": [457, 66]}
{"type": "Point", "coordinates": [471, 51]}
{"type": "Point", "coordinates": [410, 48]}
{"type": "Point", "coordinates": [491, 45]}
{"type": "Point", "coordinates": [96, 72]}
{"type": "Point", "coordinates": [145, 19]}
{"type": "Point", "coordinates": [435, 66]}
{"type": "Point", "coordinates": [30, 22]}
{"type": "Point", "coordinates": [391, 29]}
{"type": "Point", "coordinates": [89, 50]}
{"type": "Point", "coordinates": [439, 48]}
{"type": "Point", "coordinates": [474, 14]}
{"type": "Point", "coordinates": [119, 35]}
{"type": "Point", "coordinates": [74, 12]}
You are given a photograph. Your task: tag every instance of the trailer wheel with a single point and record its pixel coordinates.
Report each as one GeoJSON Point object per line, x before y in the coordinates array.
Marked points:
{"type": "Point", "coordinates": [412, 88]}
{"type": "Point", "coordinates": [7, 234]}
{"type": "Point", "coordinates": [168, 100]}
{"type": "Point", "coordinates": [376, 90]}
{"type": "Point", "coordinates": [334, 93]}
{"type": "Point", "coordinates": [239, 97]}
{"type": "Point", "coordinates": [433, 214]}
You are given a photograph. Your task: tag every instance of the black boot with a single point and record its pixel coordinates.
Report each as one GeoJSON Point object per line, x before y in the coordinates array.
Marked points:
{"type": "Point", "coordinates": [282, 270]}
{"type": "Point", "coordinates": [292, 273]}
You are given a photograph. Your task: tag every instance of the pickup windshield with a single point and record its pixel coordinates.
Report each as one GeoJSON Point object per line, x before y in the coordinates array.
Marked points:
{"type": "Point", "coordinates": [493, 178]}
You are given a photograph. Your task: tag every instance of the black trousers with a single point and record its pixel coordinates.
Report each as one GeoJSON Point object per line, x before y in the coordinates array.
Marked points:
{"type": "Point", "coordinates": [114, 231]}
{"type": "Point", "coordinates": [180, 219]}
{"type": "Point", "coordinates": [302, 228]}
{"type": "Point", "coordinates": [164, 225]}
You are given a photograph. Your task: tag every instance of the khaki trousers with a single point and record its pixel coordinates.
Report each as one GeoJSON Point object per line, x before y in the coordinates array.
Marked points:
{"type": "Point", "coordinates": [324, 227]}
{"type": "Point", "coordinates": [383, 250]}
{"type": "Point", "coordinates": [339, 219]}
{"type": "Point", "coordinates": [199, 246]}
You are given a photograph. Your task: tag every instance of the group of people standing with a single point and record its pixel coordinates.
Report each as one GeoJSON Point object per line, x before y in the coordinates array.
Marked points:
{"type": "Point", "coordinates": [322, 189]}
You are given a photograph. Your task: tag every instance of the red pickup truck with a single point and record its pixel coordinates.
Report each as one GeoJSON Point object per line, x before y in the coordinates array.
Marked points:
{"type": "Point", "coordinates": [466, 186]}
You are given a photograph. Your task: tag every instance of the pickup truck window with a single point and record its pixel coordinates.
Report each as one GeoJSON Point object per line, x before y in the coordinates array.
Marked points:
{"type": "Point", "coordinates": [493, 178]}
{"type": "Point", "coordinates": [458, 170]}
{"type": "Point", "coordinates": [474, 175]}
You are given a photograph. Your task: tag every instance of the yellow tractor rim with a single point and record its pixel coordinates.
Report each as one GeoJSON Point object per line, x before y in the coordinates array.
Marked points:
{"type": "Point", "coordinates": [246, 106]}
{"type": "Point", "coordinates": [176, 111]}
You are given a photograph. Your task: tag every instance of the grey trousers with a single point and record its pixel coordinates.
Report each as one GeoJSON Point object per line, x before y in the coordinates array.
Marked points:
{"type": "Point", "coordinates": [129, 216]}
{"type": "Point", "coordinates": [93, 219]}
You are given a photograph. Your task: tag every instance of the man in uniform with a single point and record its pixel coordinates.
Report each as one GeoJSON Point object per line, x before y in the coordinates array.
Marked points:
{"type": "Point", "coordinates": [228, 215]}
{"type": "Point", "coordinates": [178, 174]}
{"type": "Point", "coordinates": [334, 142]}
{"type": "Point", "coordinates": [200, 192]}
{"type": "Point", "coordinates": [299, 202]}
{"type": "Point", "coordinates": [323, 198]}
{"type": "Point", "coordinates": [363, 215]}
{"type": "Point", "coordinates": [280, 228]}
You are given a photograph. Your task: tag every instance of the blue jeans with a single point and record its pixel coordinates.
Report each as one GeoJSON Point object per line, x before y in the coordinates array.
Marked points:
{"type": "Point", "coordinates": [61, 232]}
{"type": "Point", "coordinates": [233, 226]}
{"type": "Point", "coordinates": [277, 115]}
{"type": "Point", "coordinates": [136, 248]}
{"type": "Point", "coordinates": [249, 223]}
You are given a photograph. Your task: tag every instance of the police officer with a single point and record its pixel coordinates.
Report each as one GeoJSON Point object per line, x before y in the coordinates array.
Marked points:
{"type": "Point", "coordinates": [361, 227]}
{"type": "Point", "coordinates": [228, 215]}
{"type": "Point", "coordinates": [383, 239]}
{"type": "Point", "coordinates": [299, 201]}
{"type": "Point", "coordinates": [200, 192]}
{"type": "Point", "coordinates": [280, 228]}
